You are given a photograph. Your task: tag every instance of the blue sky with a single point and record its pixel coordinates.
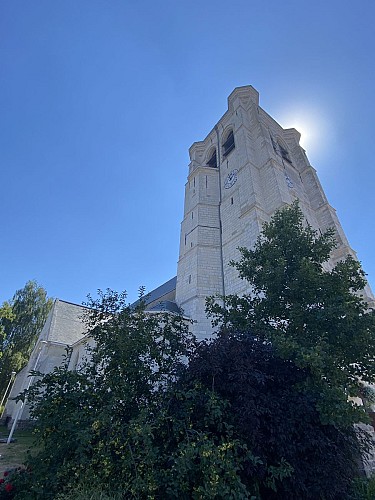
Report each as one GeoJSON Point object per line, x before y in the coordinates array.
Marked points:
{"type": "Point", "coordinates": [100, 101]}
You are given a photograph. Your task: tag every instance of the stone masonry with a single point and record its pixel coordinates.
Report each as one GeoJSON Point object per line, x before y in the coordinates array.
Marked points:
{"type": "Point", "coordinates": [246, 168]}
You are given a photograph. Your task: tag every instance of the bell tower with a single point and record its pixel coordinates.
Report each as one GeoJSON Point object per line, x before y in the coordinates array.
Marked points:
{"type": "Point", "coordinates": [246, 168]}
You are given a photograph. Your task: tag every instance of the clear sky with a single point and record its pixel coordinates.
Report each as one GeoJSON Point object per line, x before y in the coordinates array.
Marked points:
{"type": "Point", "coordinates": [101, 99]}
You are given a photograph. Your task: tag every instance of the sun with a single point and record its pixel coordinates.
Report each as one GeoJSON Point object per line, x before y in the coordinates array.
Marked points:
{"type": "Point", "coordinates": [306, 126]}
{"type": "Point", "coordinates": [310, 123]}
{"type": "Point", "coordinates": [306, 130]}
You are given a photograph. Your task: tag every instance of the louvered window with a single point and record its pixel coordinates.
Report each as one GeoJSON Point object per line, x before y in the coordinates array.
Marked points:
{"type": "Point", "coordinates": [228, 144]}
{"type": "Point", "coordinates": [284, 153]}
{"type": "Point", "coordinates": [212, 162]}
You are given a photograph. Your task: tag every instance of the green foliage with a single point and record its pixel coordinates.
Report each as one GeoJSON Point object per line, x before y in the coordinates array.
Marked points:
{"type": "Point", "coordinates": [189, 450]}
{"type": "Point", "coordinates": [261, 412]}
{"type": "Point", "coordinates": [314, 316]}
{"type": "Point", "coordinates": [297, 455]}
{"type": "Point", "coordinates": [6, 315]}
{"type": "Point", "coordinates": [364, 489]}
{"type": "Point", "coordinates": [21, 321]}
{"type": "Point", "coordinates": [132, 421]}
{"type": "Point", "coordinates": [86, 492]}
{"type": "Point", "coordinates": [83, 417]}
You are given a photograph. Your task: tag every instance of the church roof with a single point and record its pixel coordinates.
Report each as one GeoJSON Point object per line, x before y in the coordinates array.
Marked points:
{"type": "Point", "coordinates": [64, 324]}
{"type": "Point", "coordinates": [161, 291]}
{"type": "Point", "coordinates": [164, 292]}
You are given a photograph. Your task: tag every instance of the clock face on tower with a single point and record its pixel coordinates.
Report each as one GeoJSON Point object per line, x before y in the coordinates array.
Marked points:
{"type": "Point", "coordinates": [231, 179]}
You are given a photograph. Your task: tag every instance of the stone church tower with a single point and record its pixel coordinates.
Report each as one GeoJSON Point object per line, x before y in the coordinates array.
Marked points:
{"type": "Point", "coordinates": [246, 168]}
{"type": "Point", "coordinates": [239, 175]}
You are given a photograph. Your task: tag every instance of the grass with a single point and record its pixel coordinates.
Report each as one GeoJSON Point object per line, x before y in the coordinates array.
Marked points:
{"type": "Point", "coordinates": [14, 454]}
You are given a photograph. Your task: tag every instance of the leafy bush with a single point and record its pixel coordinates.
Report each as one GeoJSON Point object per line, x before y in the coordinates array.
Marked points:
{"type": "Point", "coordinates": [121, 424]}
{"type": "Point", "coordinates": [86, 492]}
{"type": "Point", "coordinates": [364, 489]}
{"type": "Point", "coordinates": [277, 421]}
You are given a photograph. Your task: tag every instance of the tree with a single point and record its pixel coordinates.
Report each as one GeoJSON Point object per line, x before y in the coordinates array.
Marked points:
{"type": "Point", "coordinates": [97, 422]}
{"type": "Point", "coordinates": [262, 412]}
{"type": "Point", "coordinates": [311, 313]}
{"type": "Point", "coordinates": [21, 321]}
{"type": "Point", "coordinates": [6, 315]}
{"type": "Point", "coordinates": [297, 456]}
{"type": "Point", "coordinates": [125, 421]}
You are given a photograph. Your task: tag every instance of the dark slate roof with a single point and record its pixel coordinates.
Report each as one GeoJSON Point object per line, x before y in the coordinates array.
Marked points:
{"type": "Point", "coordinates": [159, 292]}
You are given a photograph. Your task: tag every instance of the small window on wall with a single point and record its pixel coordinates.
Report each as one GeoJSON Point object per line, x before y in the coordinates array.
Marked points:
{"type": "Point", "coordinates": [228, 144]}
{"type": "Point", "coordinates": [284, 153]}
{"type": "Point", "coordinates": [281, 150]}
{"type": "Point", "coordinates": [212, 162]}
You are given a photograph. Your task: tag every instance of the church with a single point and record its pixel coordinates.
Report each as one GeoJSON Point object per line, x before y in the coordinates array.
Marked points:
{"type": "Point", "coordinates": [245, 169]}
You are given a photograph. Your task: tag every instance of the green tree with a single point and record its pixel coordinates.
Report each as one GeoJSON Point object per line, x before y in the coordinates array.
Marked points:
{"type": "Point", "coordinates": [6, 315]}
{"type": "Point", "coordinates": [261, 412]}
{"type": "Point", "coordinates": [298, 457]}
{"type": "Point", "coordinates": [95, 422]}
{"type": "Point", "coordinates": [313, 314]}
{"type": "Point", "coordinates": [124, 423]}
{"type": "Point", "coordinates": [21, 320]}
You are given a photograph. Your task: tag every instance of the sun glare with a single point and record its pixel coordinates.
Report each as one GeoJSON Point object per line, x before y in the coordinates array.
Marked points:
{"type": "Point", "coordinates": [311, 124]}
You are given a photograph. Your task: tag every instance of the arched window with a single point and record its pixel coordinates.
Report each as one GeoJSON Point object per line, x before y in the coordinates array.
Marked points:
{"type": "Point", "coordinates": [228, 144]}
{"type": "Point", "coordinates": [212, 162]}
